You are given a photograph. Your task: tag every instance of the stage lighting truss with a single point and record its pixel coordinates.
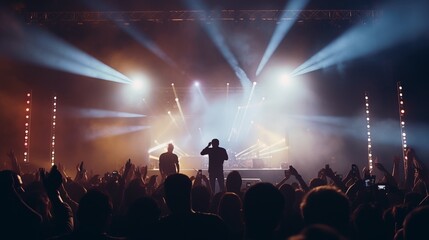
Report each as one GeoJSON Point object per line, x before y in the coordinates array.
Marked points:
{"type": "Point", "coordinates": [199, 15]}
{"type": "Point", "coordinates": [402, 123]}
{"type": "Point", "coordinates": [53, 128]}
{"type": "Point", "coordinates": [27, 127]}
{"type": "Point", "coordinates": [368, 129]}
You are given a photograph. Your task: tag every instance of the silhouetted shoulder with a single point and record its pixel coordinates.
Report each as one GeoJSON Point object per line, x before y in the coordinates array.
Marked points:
{"type": "Point", "coordinates": [78, 236]}
{"type": "Point", "coordinates": [193, 226]}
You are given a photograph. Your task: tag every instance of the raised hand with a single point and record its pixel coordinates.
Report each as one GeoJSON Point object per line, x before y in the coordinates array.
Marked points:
{"type": "Point", "coordinates": [410, 153]}
{"type": "Point", "coordinates": [366, 173]}
{"type": "Point", "coordinates": [52, 181]}
{"type": "Point", "coordinates": [11, 155]}
{"type": "Point", "coordinates": [80, 168]}
{"type": "Point", "coordinates": [62, 170]}
{"type": "Point", "coordinates": [144, 171]}
{"type": "Point", "coordinates": [293, 171]}
{"type": "Point", "coordinates": [14, 162]}
{"type": "Point", "coordinates": [137, 173]}
{"type": "Point", "coordinates": [128, 165]}
{"type": "Point", "coordinates": [380, 167]}
{"type": "Point", "coordinates": [329, 172]}
{"type": "Point", "coordinates": [152, 181]}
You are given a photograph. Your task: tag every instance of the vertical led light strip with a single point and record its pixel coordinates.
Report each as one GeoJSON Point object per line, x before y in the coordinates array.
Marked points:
{"type": "Point", "coordinates": [368, 129]}
{"type": "Point", "coordinates": [403, 133]}
{"type": "Point", "coordinates": [27, 127]}
{"type": "Point", "coordinates": [53, 127]}
{"type": "Point", "coordinates": [402, 118]}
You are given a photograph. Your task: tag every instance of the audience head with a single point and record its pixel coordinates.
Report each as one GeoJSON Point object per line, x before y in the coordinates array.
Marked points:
{"type": "Point", "coordinates": [263, 207]}
{"type": "Point", "coordinates": [10, 181]}
{"type": "Point", "coordinates": [6, 181]}
{"type": "Point", "coordinates": [230, 206]}
{"type": "Point", "coordinates": [412, 199]}
{"type": "Point", "coordinates": [233, 182]}
{"type": "Point", "coordinates": [289, 195]}
{"type": "Point", "coordinates": [177, 189]}
{"type": "Point", "coordinates": [200, 196]}
{"type": "Point", "coordinates": [94, 212]}
{"type": "Point", "coordinates": [143, 213]}
{"type": "Point", "coordinates": [318, 232]}
{"type": "Point", "coordinates": [326, 205]}
{"type": "Point", "coordinates": [368, 222]}
{"type": "Point", "coordinates": [316, 182]}
{"type": "Point", "coordinates": [416, 224]}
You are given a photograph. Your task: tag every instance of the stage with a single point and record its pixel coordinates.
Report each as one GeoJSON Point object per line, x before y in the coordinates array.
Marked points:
{"type": "Point", "coordinates": [249, 175]}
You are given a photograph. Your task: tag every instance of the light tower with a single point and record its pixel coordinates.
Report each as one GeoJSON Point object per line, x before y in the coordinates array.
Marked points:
{"type": "Point", "coordinates": [53, 128]}
{"type": "Point", "coordinates": [368, 129]}
{"type": "Point", "coordinates": [27, 127]}
{"type": "Point", "coordinates": [408, 163]}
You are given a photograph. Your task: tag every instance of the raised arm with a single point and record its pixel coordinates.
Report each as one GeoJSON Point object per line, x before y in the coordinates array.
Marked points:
{"type": "Point", "coordinates": [389, 178]}
{"type": "Point", "coordinates": [287, 176]}
{"type": "Point", "coordinates": [395, 170]}
{"type": "Point", "coordinates": [337, 181]}
{"type": "Point", "coordinates": [14, 162]}
{"type": "Point", "coordinates": [205, 151]}
{"type": "Point", "coordinates": [62, 213]}
{"type": "Point", "coordinates": [299, 178]}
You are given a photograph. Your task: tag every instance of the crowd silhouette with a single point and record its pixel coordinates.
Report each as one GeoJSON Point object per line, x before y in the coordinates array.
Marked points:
{"type": "Point", "coordinates": [129, 204]}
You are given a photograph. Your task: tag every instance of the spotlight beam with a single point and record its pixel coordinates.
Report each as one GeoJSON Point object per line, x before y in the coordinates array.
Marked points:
{"type": "Point", "coordinates": [203, 98]}
{"type": "Point", "coordinates": [33, 45]}
{"type": "Point", "coordinates": [249, 153]}
{"type": "Point", "coordinates": [246, 150]}
{"type": "Point", "coordinates": [367, 39]}
{"type": "Point", "coordinates": [173, 120]}
{"type": "Point", "coordinates": [157, 147]}
{"type": "Point", "coordinates": [274, 151]}
{"type": "Point", "coordinates": [281, 30]}
{"type": "Point", "coordinates": [234, 123]}
{"type": "Point", "coordinates": [179, 106]}
{"type": "Point", "coordinates": [245, 110]}
{"type": "Point", "coordinates": [180, 151]}
{"type": "Point", "coordinates": [273, 145]}
{"type": "Point", "coordinates": [99, 113]}
{"type": "Point", "coordinates": [139, 36]}
{"type": "Point", "coordinates": [213, 30]}
{"type": "Point", "coordinates": [114, 131]}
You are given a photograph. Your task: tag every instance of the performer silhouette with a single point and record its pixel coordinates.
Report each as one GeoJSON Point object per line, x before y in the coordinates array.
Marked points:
{"type": "Point", "coordinates": [217, 155]}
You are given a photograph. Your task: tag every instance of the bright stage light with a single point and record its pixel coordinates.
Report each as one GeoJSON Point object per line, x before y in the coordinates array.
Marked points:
{"type": "Point", "coordinates": [140, 81]}
{"type": "Point", "coordinates": [137, 84]}
{"type": "Point", "coordinates": [196, 84]}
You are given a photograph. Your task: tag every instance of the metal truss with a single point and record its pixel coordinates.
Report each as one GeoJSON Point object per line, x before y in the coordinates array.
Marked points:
{"type": "Point", "coordinates": [200, 15]}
